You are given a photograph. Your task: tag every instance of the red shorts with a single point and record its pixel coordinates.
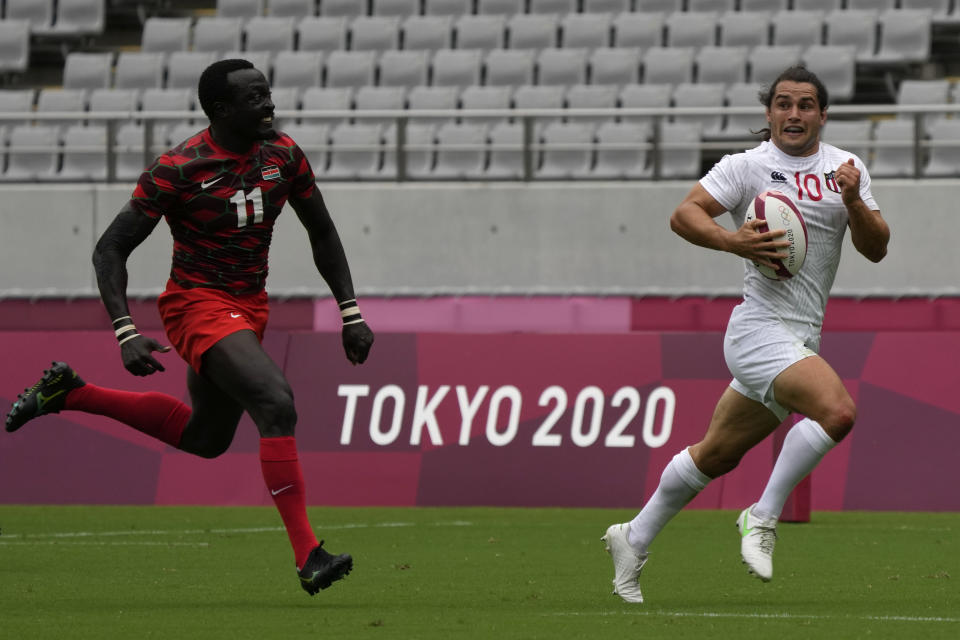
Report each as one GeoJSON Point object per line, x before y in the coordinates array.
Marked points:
{"type": "Point", "coordinates": [196, 319]}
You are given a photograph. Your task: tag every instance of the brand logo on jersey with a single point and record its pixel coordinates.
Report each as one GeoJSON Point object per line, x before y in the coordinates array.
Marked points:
{"type": "Point", "coordinates": [207, 183]}
{"type": "Point", "coordinates": [830, 178]}
{"type": "Point", "coordinates": [271, 172]}
{"type": "Point", "coordinates": [776, 176]}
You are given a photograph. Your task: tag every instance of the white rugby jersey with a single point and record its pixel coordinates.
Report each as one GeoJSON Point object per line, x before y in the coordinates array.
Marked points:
{"type": "Point", "coordinates": [809, 181]}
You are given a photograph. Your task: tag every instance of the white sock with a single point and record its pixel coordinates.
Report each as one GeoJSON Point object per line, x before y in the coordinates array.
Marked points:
{"type": "Point", "coordinates": [805, 445]}
{"type": "Point", "coordinates": [680, 482]}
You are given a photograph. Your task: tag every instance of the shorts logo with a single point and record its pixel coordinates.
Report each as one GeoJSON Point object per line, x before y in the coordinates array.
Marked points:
{"type": "Point", "coordinates": [270, 172]}
{"type": "Point", "coordinates": [776, 176]}
{"type": "Point", "coordinates": [234, 315]}
{"type": "Point", "coordinates": [831, 181]}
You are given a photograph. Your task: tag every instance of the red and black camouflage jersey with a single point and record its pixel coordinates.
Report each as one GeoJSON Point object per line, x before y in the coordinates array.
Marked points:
{"type": "Point", "coordinates": [221, 207]}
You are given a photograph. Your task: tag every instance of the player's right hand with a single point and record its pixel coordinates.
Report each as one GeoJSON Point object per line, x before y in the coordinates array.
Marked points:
{"type": "Point", "coordinates": [754, 242]}
{"type": "Point", "coordinates": [138, 357]}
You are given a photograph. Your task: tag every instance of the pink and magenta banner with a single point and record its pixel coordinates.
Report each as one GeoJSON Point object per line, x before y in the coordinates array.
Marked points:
{"type": "Point", "coordinates": [523, 419]}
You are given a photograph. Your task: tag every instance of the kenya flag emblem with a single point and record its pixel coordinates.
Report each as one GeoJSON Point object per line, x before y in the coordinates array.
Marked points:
{"type": "Point", "coordinates": [271, 172]}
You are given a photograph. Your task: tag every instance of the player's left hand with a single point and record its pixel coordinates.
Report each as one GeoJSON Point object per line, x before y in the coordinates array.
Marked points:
{"type": "Point", "coordinates": [357, 340]}
{"type": "Point", "coordinates": [848, 179]}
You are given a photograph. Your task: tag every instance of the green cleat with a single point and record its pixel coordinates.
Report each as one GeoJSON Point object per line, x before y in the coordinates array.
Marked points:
{"type": "Point", "coordinates": [47, 396]}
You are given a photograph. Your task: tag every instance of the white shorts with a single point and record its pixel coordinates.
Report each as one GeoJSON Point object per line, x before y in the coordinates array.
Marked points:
{"type": "Point", "coordinates": [758, 347]}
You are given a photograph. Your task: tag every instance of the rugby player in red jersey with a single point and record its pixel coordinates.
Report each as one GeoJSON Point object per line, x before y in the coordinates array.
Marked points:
{"type": "Point", "coordinates": [220, 192]}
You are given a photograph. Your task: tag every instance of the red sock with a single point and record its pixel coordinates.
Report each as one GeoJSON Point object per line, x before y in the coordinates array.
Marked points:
{"type": "Point", "coordinates": [155, 414]}
{"type": "Point", "coordinates": [284, 479]}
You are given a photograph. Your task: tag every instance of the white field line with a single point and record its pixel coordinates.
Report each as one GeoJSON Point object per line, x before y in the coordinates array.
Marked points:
{"type": "Point", "coordinates": [750, 616]}
{"type": "Point", "coordinates": [104, 543]}
{"type": "Point", "coordinates": [4, 538]}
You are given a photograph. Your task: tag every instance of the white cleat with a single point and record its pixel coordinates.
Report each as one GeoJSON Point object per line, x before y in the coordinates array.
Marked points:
{"type": "Point", "coordinates": [757, 538]}
{"type": "Point", "coordinates": [627, 563]}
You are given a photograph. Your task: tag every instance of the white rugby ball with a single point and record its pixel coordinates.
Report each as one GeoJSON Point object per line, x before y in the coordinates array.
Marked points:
{"type": "Point", "coordinates": [779, 212]}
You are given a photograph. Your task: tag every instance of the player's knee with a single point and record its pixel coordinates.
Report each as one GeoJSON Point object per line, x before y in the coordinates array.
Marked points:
{"type": "Point", "coordinates": [839, 422]}
{"type": "Point", "coordinates": [277, 414]}
{"type": "Point", "coordinates": [211, 449]}
{"type": "Point", "coordinates": [713, 462]}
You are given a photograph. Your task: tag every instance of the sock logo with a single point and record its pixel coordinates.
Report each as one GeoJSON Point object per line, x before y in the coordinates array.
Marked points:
{"type": "Point", "coordinates": [280, 490]}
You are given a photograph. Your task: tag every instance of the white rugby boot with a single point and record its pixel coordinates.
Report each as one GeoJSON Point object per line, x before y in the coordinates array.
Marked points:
{"type": "Point", "coordinates": [757, 538]}
{"type": "Point", "coordinates": [627, 562]}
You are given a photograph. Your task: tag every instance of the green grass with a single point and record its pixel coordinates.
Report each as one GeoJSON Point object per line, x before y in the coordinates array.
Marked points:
{"type": "Point", "coordinates": [172, 572]}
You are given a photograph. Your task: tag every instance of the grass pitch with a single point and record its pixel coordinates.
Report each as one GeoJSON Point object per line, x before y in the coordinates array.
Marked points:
{"type": "Point", "coordinates": [213, 572]}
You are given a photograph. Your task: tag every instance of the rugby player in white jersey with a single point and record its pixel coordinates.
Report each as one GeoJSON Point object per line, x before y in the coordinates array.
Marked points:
{"type": "Point", "coordinates": [773, 336]}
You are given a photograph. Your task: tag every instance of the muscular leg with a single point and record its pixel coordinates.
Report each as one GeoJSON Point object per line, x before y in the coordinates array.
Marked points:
{"type": "Point", "coordinates": [213, 421]}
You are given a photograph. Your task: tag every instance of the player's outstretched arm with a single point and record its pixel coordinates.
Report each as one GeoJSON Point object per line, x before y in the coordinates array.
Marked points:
{"type": "Point", "coordinates": [125, 233]}
{"type": "Point", "coordinates": [331, 262]}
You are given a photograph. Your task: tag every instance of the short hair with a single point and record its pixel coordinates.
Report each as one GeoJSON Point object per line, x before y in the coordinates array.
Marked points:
{"type": "Point", "coordinates": [796, 73]}
{"type": "Point", "coordinates": [213, 86]}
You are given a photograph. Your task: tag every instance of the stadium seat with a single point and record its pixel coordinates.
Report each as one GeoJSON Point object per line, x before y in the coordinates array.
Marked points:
{"type": "Point", "coordinates": [558, 7]}
{"type": "Point", "coordinates": [679, 151]}
{"type": "Point", "coordinates": [184, 68]}
{"type": "Point", "coordinates": [375, 33]}
{"type": "Point", "coordinates": [744, 29]}
{"type": "Point", "coordinates": [446, 98]}
{"type": "Point", "coordinates": [33, 154]}
{"type": "Point", "coordinates": [606, 6]}
{"type": "Point", "coordinates": [355, 151]}
{"type": "Point", "coordinates": [475, 98]}
{"type": "Point", "coordinates": [418, 151]}
{"type": "Point", "coordinates": [622, 151]}
{"type": "Point", "coordinates": [766, 63]}
{"type": "Point", "coordinates": [481, 32]}
{"type": "Point", "coordinates": [397, 8]}
{"type": "Point", "coordinates": [154, 100]}
{"type": "Point", "coordinates": [88, 70]}
{"type": "Point", "coordinates": [586, 30]}
{"type": "Point", "coordinates": [924, 92]}
{"type": "Point", "coordinates": [461, 150]}
{"type": "Point", "coordinates": [78, 18]}
{"type": "Point", "coordinates": [298, 69]}
{"type": "Point", "coordinates": [217, 35]}
{"type": "Point", "coordinates": [322, 33]}
{"type": "Point", "coordinates": [269, 34]}
{"type": "Point", "coordinates": [427, 33]}
{"type": "Point", "coordinates": [691, 29]}
{"type": "Point", "coordinates": [261, 60]}
{"type": "Point", "coordinates": [699, 94]}
{"type": "Point", "coordinates": [850, 135]}
{"type": "Point", "coordinates": [112, 100]}
{"type": "Point", "coordinates": [539, 97]}
{"type": "Point", "coordinates": [404, 68]}
{"type": "Point", "coordinates": [711, 6]}
{"type": "Point", "coordinates": [506, 151]}
{"type": "Point", "coordinates": [453, 8]}
{"type": "Point", "coordinates": [856, 28]}
{"type": "Point", "coordinates": [291, 8]}
{"type": "Point", "coordinates": [243, 9]}
{"type": "Point", "coordinates": [664, 6]}
{"type": "Point", "coordinates": [644, 96]}
{"type": "Point", "coordinates": [741, 126]}
{"type": "Point", "coordinates": [567, 150]}
{"type": "Point", "coordinates": [348, 9]}
{"type": "Point", "coordinates": [641, 30]}
{"type": "Point", "coordinates": [726, 65]}
{"type": "Point", "coordinates": [893, 152]}
{"type": "Point", "coordinates": [668, 65]}
{"type": "Point", "coordinates": [14, 46]}
{"type": "Point", "coordinates": [313, 141]}
{"type": "Point", "coordinates": [138, 70]}
{"type": "Point", "coordinates": [84, 153]}
{"type": "Point", "coordinates": [944, 156]}
{"type": "Point", "coordinates": [836, 66]}
{"type": "Point", "coordinates": [800, 28]}
{"type": "Point", "coordinates": [284, 99]}
{"type": "Point", "coordinates": [61, 100]}
{"type": "Point", "coordinates": [942, 12]}
{"type": "Point", "coordinates": [562, 66]}
{"type": "Point", "coordinates": [379, 99]}
{"type": "Point", "coordinates": [615, 65]}
{"type": "Point", "coordinates": [181, 132]}
{"type": "Point", "coordinates": [763, 5]}
{"type": "Point", "coordinates": [350, 68]}
{"type": "Point", "coordinates": [14, 101]}
{"type": "Point", "coordinates": [130, 161]}
{"type": "Point", "coordinates": [592, 96]}
{"type": "Point", "coordinates": [326, 99]}
{"type": "Point", "coordinates": [500, 7]}
{"type": "Point", "coordinates": [512, 67]}
{"type": "Point", "coordinates": [824, 6]}
{"type": "Point", "coordinates": [39, 13]}
{"type": "Point", "coordinates": [532, 31]}
{"type": "Point", "coordinates": [905, 37]}
{"type": "Point", "coordinates": [873, 5]}
{"type": "Point", "coordinates": [456, 67]}
{"type": "Point", "coordinates": [165, 35]}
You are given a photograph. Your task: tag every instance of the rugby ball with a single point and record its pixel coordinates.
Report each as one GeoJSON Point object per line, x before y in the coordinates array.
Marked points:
{"type": "Point", "coordinates": [778, 211]}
